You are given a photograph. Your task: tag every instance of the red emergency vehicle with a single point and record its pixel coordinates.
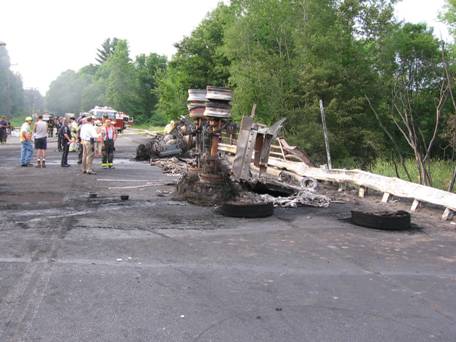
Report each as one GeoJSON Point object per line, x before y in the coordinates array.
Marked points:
{"type": "Point", "coordinates": [120, 120]}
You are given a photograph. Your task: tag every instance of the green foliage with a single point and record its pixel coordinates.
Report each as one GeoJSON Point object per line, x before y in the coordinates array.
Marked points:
{"type": "Point", "coordinates": [284, 56]}
{"type": "Point", "coordinates": [11, 91]}
{"type": "Point", "coordinates": [441, 170]}
{"type": "Point", "coordinates": [64, 94]}
{"type": "Point", "coordinates": [148, 68]}
{"type": "Point", "coordinates": [412, 73]}
{"type": "Point", "coordinates": [261, 49]}
{"type": "Point", "coordinates": [118, 82]}
{"type": "Point", "coordinates": [172, 94]}
{"type": "Point", "coordinates": [33, 102]}
{"type": "Point", "coordinates": [106, 50]}
{"type": "Point", "coordinates": [199, 62]}
{"type": "Point", "coordinates": [121, 88]}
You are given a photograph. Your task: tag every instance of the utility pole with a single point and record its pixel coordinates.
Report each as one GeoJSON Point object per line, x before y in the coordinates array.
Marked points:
{"type": "Point", "coordinates": [325, 133]}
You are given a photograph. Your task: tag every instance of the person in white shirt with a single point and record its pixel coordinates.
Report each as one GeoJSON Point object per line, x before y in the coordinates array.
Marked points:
{"type": "Point", "coordinates": [40, 133]}
{"type": "Point", "coordinates": [88, 136]}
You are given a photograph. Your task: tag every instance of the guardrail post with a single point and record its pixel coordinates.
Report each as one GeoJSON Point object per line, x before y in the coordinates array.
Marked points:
{"type": "Point", "coordinates": [415, 205]}
{"type": "Point", "coordinates": [447, 214]}
{"type": "Point", "coordinates": [386, 197]}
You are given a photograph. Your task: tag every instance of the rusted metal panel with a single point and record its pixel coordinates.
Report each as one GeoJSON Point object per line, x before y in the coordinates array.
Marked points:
{"type": "Point", "coordinates": [242, 145]}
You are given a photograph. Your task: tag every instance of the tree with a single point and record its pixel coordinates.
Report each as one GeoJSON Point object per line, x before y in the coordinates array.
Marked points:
{"type": "Point", "coordinates": [11, 91]}
{"type": "Point", "coordinates": [420, 90]}
{"type": "Point", "coordinates": [148, 68]}
{"type": "Point", "coordinates": [198, 62]}
{"type": "Point", "coordinates": [33, 101]}
{"type": "Point", "coordinates": [64, 94]}
{"type": "Point", "coordinates": [287, 55]}
{"type": "Point", "coordinates": [106, 50]}
{"type": "Point", "coordinates": [93, 87]}
{"type": "Point", "coordinates": [121, 82]}
{"type": "Point", "coordinates": [260, 46]}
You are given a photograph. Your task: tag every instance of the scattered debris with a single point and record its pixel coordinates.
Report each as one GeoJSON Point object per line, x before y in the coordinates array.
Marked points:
{"type": "Point", "coordinates": [173, 166]}
{"type": "Point", "coordinates": [302, 198]}
{"type": "Point", "coordinates": [176, 141]}
{"type": "Point", "coordinates": [229, 162]}
{"type": "Point", "coordinates": [205, 192]}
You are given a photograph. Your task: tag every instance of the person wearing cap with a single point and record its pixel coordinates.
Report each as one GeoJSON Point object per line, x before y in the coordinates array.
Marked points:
{"type": "Point", "coordinates": [109, 137]}
{"type": "Point", "coordinates": [40, 132]}
{"type": "Point", "coordinates": [88, 136]}
{"type": "Point", "coordinates": [25, 137]}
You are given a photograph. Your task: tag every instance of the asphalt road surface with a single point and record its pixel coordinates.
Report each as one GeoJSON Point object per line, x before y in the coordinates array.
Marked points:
{"type": "Point", "coordinates": [155, 269]}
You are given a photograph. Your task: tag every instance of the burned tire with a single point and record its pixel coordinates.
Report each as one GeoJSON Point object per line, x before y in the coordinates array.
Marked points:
{"type": "Point", "coordinates": [392, 220]}
{"type": "Point", "coordinates": [247, 210]}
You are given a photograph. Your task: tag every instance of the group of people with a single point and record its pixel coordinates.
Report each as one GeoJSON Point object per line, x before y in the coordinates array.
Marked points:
{"type": "Point", "coordinates": [88, 137]}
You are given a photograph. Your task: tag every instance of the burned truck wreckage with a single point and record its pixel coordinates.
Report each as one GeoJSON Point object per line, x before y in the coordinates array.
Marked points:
{"type": "Point", "coordinates": [247, 166]}
{"type": "Point", "coordinates": [228, 164]}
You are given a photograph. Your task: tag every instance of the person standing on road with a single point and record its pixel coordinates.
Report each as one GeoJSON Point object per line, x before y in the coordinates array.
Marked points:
{"type": "Point", "coordinates": [74, 128]}
{"type": "Point", "coordinates": [99, 147]}
{"type": "Point", "coordinates": [40, 133]}
{"type": "Point", "coordinates": [88, 137]}
{"type": "Point", "coordinates": [51, 125]}
{"type": "Point", "coordinates": [109, 137]}
{"type": "Point", "coordinates": [65, 133]}
{"type": "Point", "coordinates": [3, 130]}
{"type": "Point", "coordinates": [60, 140]}
{"type": "Point", "coordinates": [80, 122]}
{"type": "Point", "coordinates": [25, 137]}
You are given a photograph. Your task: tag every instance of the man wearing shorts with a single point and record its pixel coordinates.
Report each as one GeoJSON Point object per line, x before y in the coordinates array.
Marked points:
{"type": "Point", "coordinates": [41, 133]}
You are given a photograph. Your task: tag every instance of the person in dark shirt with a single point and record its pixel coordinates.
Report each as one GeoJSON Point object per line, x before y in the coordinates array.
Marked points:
{"type": "Point", "coordinates": [3, 130]}
{"type": "Point", "coordinates": [58, 125]}
{"type": "Point", "coordinates": [65, 133]}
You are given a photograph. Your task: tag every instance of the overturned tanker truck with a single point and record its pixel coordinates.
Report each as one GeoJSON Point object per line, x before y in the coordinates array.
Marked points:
{"type": "Point", "coordinates": [229, 164]}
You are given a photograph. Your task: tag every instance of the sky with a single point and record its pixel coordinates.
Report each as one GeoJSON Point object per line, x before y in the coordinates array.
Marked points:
{"type": "Point", "coordinates": [47, 37]}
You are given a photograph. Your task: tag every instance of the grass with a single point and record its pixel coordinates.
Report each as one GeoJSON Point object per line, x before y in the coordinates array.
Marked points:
{"type": "Point", "coordinates": [17, 121]}
{"type": "Point", "coordinates": [149, 127]}
{"type": "Point", "coordinates": [441, 171]}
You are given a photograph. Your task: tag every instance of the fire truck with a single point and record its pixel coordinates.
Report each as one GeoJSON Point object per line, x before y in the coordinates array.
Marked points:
{"type": "Point", "coordinates": [120, 120]}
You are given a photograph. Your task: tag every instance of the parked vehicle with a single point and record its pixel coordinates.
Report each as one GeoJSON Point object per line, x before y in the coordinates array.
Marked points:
{"type": "Point", "coordinates": [120, 120]}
